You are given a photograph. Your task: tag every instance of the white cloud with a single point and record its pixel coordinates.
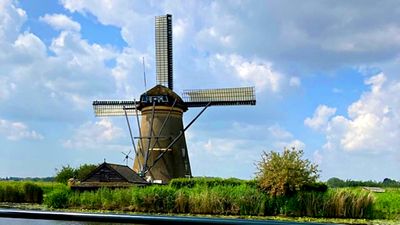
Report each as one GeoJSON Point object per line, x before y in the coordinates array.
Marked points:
{"type": "Point", "coordinates": [32, 80]}
{"type": "Point", "coordinates": [11, 20]}
{"type": "Point", "coordinates": [256, 72]}
{"type": "Point", "coordinates": [61, 22]}
{"type": "Point", "coordinates": [179, 29]}
{"type": "Point", "coordinates": [29, 47]}
{"type": "Point", "coordinates": [373, 122]}
{"type": "Point", "coordinates": [97, 135]}
{"type": "Point", "coordinates": [135, 26]}
{"type": "Point", "coordinates": [282, 32]}
{"type": "Point", "coordinates": [320, 118]}
{"type": "Point", "coordinates": [16, 131]}
{"type": "Point", "coordinates": [212, 36]}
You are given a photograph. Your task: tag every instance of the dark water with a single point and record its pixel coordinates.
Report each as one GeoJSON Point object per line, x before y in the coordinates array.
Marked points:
{"type": "Point", "coordinates": [12, 221]}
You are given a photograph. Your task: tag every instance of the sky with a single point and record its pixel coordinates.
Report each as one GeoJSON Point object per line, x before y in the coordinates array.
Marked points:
{"type": "Point", "coordinates": [326, 76]}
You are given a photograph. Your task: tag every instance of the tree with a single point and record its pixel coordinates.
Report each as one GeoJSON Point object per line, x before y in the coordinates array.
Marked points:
{"type": "Point", "coordinates": [64, 174]}
{"type": "Point", "coordinates": [84, 170]}
{"type": "Point", "coordinates": [67, 172]}
{"type": "Point", "coordinates": [286, 173]}
{"type": "Point", "coordinates": [335, 182]}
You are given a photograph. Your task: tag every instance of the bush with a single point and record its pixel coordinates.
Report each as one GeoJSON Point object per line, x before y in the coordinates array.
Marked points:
{"type": "Point", "coordinates": [316, 186]}
{"type": "Point", "coordinates": [57, 199]}
{"type": "Point", "coordinates": [286, 173]}
{"type": "Point", "coordinates": [65, 174]}
{"type": "Point", "coordinates": [84, 170]}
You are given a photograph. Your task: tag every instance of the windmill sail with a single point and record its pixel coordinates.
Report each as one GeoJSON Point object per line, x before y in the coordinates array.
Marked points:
{"type": "Point", "coordinates": [115, 108]}
{"type": "Point", "coordinates": [220, 96]}
{"type": "Point", "coordinates": [164, 51]}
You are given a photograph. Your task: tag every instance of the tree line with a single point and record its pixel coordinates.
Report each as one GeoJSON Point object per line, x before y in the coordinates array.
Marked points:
{"type": "Point", "coordinates": [335, 182]}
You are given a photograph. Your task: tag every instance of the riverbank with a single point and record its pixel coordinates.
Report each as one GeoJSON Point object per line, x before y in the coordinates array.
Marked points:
{"type": "Point", "coordinates": [220, 198]}
{"type": "Point", "coordinates": [27, 206]}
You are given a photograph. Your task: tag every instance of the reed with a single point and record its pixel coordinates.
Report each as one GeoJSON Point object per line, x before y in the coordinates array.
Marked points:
{"type": "Point", "coordinates": [20, 191]}
{"type": "Point", "coordinates": [210, 196]}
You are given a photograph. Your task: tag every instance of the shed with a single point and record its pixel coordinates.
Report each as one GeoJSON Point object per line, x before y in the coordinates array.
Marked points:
{"type": "Point", "coordinates": [111, 176]}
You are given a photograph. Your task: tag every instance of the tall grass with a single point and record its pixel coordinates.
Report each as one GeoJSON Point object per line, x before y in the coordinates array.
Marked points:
{"type": "Point", "coordinates": [210, 196]}
{"type": "Point", "coordinates": [335, 203]}
{"type": "Point", "coordinates": [230, 199]}
{"type": "Point", "coordinates": [18, 192]}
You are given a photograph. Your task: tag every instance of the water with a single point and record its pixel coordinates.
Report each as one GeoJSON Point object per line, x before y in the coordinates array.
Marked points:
{"type": "Point", "coordinates": [12, 221]}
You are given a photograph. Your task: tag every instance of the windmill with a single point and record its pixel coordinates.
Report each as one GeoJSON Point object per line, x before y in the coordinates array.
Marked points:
{"type": "Point", "coordinates": [127, 157]}
{"type": "Point", "coordinates": [161, 151]}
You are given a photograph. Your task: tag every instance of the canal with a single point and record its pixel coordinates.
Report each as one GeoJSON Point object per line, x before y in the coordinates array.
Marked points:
{"type": "Point", "coordinates": [36, 217]}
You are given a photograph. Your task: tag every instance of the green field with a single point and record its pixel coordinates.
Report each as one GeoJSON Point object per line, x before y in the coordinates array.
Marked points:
{"type": "Point", "coordinates": [215, 197]}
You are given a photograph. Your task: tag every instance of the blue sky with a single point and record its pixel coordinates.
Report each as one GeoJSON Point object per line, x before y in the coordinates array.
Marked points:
{"type": "Point", "coordinates": [326, 78]}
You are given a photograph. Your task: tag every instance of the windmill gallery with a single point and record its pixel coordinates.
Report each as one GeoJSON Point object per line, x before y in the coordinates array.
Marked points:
{"type": "Point", "coordinates": [160, 148]}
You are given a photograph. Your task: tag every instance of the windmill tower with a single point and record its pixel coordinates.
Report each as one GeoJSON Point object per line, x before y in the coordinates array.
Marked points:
{"type": "Point", "coordinates": [160, 149]}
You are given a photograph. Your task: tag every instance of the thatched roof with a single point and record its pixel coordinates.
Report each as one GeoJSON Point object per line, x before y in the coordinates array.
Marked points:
{"type": "Point", "coordinates": [111, 176]}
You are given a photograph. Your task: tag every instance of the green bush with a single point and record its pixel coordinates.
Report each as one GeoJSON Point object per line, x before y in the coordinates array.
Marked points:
{"type": "Point", "coordinates": [57, 199]}
{"type": "Point", "coordinates": [285, 173]}
{"type": "Point", "coordinates": [316, 186]}
{"type": "Point", "coordinates": [67, 172]}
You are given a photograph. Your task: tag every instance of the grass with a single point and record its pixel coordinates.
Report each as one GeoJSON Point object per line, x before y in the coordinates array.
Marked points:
{"type": "Point", "coordinates": [240, 199]}
{"type": "Point", "coordinates": [26, 191]}
{"type": "Point", "coordinates": [387, 204]}
{"type": "Point", "coordinates": [206, 196]}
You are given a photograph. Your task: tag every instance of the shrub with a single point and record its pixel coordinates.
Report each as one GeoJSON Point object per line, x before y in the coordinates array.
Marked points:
{"type": "Point", "coordinates": [316, 186]}
{"type": "Point", "coordinates": [84, 170]}
{"type": "Point", "coordinates": [286, 173]}
{"type": "Point", "coordinates": [67, 172]}
{"type": "Point", "coordinates": [64, 174]}
{"type": "Point", "coordinates": [57, 199]}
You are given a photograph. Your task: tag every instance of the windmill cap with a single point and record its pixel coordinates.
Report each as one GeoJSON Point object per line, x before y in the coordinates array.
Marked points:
{"type": "Point", "coordinates": [162, 96]}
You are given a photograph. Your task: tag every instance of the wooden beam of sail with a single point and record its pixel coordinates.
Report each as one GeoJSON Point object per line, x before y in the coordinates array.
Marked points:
{"type": "Point", "coordinates": [115, 108]}
{"type": "Point", "coordinates": [219, 97]}
{"type": "Point", "coordinates": [163, 42]}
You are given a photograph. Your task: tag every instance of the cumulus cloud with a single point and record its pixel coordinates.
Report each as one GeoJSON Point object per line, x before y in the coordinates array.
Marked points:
{"type": "Point", "coordinates": [320, 118]}
{"type": "Point", "coordinates": [17, 130]}
{"type": "Point", "coordinates": [257, 72]}
{"type": "Point", "coordinates": [11, 20]}
{"type": "Point", "coordinates": [136, 26]}
{"type": "Point", "coordinates": [97, 135]}
{"type": "Point", "coordinates": [282, 32]}
{"type": "Point", "coordinates": [372, 123]}
{"type": "Point", "coordinates": [33, 81]}
{"type": "Point", "coordinates": [61, 22]}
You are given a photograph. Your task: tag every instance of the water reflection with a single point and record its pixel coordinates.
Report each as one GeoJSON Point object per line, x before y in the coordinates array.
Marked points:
{"type": "Point", "coordinates": [13, 221]}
